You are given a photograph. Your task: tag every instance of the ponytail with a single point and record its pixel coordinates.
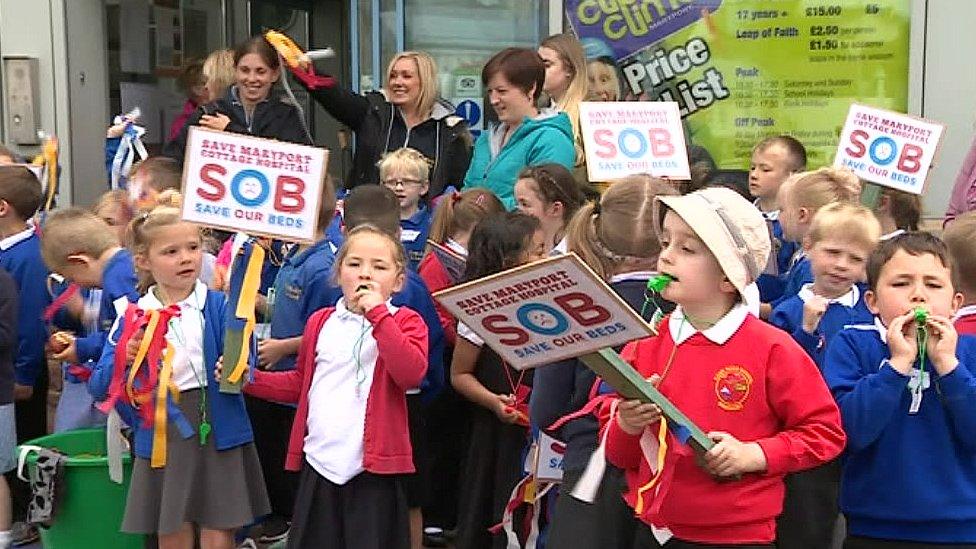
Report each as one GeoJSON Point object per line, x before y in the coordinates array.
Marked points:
{"type": "Point", "coordinates": [460, 212]}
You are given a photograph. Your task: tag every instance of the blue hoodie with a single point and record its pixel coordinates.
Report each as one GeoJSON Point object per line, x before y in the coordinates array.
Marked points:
{"type": "Point", "coordinates": [907, 477]}
{"type": "Point", "coordinates": [547, 138]}
{"type": "Point", "coordinates": [841, 312]}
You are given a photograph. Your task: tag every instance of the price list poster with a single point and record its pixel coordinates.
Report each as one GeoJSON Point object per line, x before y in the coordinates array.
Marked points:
{"type": "Point", "coordinates": [742, 70]}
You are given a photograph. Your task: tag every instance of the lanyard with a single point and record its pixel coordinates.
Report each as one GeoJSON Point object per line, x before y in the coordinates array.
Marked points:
{"type": "Point", "coordinates": [176, 328]}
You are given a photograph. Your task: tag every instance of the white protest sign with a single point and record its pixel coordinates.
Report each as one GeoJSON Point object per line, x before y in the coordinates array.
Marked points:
{"type": "Point", "coordinates": [549, 459]}
{"type": "Point", "coordinates": [623, 138]}
{"type": "Point", "coordinates": [248, 184]}
{"type": "Point", "coordinates": [888, 148]}
{"type": "Point", "coordinates": [550, 310]}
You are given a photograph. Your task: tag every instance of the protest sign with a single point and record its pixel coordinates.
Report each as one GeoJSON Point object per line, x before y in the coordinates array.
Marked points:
{"type": "Point", "coordinates": [545, 311]}
{"type": "Point", "coordinates": [626, 138]}
{"type": "Point", "coordinates": [888, 148]}
{"type": "Point", "coordinates": [248, 184]}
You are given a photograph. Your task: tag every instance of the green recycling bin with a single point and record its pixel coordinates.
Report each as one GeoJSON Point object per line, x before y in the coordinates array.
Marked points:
{"type": "Point", "coordinates": [90, 512]}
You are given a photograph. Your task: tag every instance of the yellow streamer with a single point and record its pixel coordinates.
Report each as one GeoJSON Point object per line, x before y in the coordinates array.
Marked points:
{"type": "Point", "coordinates": [662, 450]}
{"type": "Point", "coordinates": [141, 353]}
{"type": "Point", "coordinates": [49, 159]}
{"type": "Point", "coordinates": [245, 308]}
{"type": "Point", "coordinates": [158, 457]}
{"type": "Point", "coordinates": [289, 50]}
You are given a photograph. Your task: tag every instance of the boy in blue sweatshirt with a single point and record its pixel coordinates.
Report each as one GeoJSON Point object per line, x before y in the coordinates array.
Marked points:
{"type": "Point", "coordinates": [840, 240]}
{"type": "Point", "coordinates": [838, 243]}
{"type": "Point", "coordinates": [774, 159]}
{"type": "Point", "coordinates": [907, 395]}
{"type": "Point", "coordinates": [81, 247]}
{"type": "Point", "coordinates": [405, 172]}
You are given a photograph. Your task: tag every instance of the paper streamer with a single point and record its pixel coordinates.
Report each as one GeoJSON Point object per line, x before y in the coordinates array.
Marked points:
{"type": "Point", "coordinates": [245, 278]}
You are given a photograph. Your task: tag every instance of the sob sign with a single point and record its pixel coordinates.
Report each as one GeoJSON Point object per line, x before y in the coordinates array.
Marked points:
{"type": "Point", "coordinates": [887, 148]}
{"type": "Point", "coordinates": [546, 311]}
{"type": "Point", "coordinates": [252, 185]}
{"type": "Point", "coordinates": [625, 138]}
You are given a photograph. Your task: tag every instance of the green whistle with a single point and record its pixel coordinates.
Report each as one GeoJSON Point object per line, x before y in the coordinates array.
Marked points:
{"type": "Point", "coordinates": [921, 316]}
{"type": "Point", "coordinates": [659, 283]}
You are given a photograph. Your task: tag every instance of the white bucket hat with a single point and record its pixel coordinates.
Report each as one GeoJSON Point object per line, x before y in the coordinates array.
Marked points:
{"type": "Point", "coordinates": [732, 228]}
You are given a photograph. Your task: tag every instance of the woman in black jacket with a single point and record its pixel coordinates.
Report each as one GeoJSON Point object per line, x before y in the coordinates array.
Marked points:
{"type": "Point", "coordinates": [251, 106]}
{"type": "Point", "coordinates": [408, 112]}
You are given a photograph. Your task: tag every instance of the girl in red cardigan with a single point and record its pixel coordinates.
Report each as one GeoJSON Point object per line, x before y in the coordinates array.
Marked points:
{"type": "Point", "coordinates": [350, 437]}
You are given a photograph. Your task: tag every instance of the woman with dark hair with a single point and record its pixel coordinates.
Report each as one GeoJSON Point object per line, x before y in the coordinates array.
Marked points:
{"type": "Point", "coordinates": [251, 106]}
{"type": "Point", "coordinates": [525, 135]}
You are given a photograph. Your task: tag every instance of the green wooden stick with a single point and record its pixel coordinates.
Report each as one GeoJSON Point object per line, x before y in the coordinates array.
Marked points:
{"type": "Point", "coordinates": [629, 384]}
{"type": "Point", "coordinates": [871, 195]}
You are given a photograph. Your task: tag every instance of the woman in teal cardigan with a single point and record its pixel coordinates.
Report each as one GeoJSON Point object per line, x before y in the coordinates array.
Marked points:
{"type": "Point", "coordinates": [524, 135]}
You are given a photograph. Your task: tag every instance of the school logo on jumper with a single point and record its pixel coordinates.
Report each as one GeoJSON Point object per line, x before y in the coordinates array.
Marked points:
{"type": "Point", "coordinates": [732, 385]}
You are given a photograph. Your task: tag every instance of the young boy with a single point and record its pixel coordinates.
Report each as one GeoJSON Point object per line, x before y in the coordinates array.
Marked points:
{"type": "Point", "coordinates": [840, 239]}
{"type": "Point", "coordinates": [300, 287]}
{"type": "Point", "coordinates": [908, 401]}
{"type": "Point", "coordinates": [747, 384]}
{"type": "Point", "coordinates": [85, 250]}
{"type": "Point", "coordinates": [405, 172]}
{"type": "Point", "coordinates": [773, 160]}
{"type": "Point", "coordinates": [960, 237]}
{"type": "Point", "coordinates": [152, 176]}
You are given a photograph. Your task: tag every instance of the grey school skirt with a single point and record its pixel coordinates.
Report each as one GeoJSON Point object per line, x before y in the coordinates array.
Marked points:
{"type": "Point", "coordinates": [215, 490]}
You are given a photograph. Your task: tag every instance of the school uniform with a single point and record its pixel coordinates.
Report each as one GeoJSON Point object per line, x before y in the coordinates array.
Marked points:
{"type": "Point", "coordinates": [810, 507]}
{"type": "Point", "coordinates": [909, 473]}
{"type": "Point", "coordinates": [439, 270]}
{"type": "Point", "coordinates": [965, 320]}
{"type": "Point", "coordinates": [217, 484]}
{"type": "Point", "coordinates": [772, 283]}
{"type": "Point", "coordinates": [563, 389]}
{"type": "Point", "coordinates": [8, 346]}
{"type": "Point", "coordinates": [799, 274]}
{"type": "Point", "coordinates": [118, 282]}
{"type": "Point", "coordinates": [349, 438]}
{"type": "Point", "coordinates": [413, 235]}
{"type": "Point", "coordinates": [495, 455]}
{"type": "Point", "coordinates": [741, 376]}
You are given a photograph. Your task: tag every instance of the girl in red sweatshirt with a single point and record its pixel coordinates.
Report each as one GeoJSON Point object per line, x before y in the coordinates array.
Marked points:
{"type": "Point", "coordinates": [748, 385]}
{"type": "Point", "coordinates": [350, 438]}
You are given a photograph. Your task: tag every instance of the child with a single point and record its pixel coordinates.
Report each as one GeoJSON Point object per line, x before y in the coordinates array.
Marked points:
{"type": "Point", "coordinates": [442, 267]}
{"type": "Point", "coordinates": [349, 438]}
{"type": "Point", "coordinates": [550, 194]}
{"type": "Point", "coordinates": [960, 238]}
{"type": "Point", "coordinates": [615, 237]}
{"type": "Point", "coordinates": [773, 160]}
{"type": "Point", "coordinates": [8, 434]}
{"type": "Point", "coordinates": [493, 463]}
{"type": "Point", "coordinates": [152, 176]}
{"type": "Point", "coordinates": [405, 172]}
{"type": "Point", "coordinates": [908, 401]}
{"type": "Point", "coordinates": [20, 255]}
{"type": "Point", "coordinates": [838, 243]}
{"type": "Point", "coordinates": [208, 482]}
{"type": "Point", "coordinates": [799, 199]}
{"type": "Point", "coordinates": [113, 208]}
{"type": "Point", "coordinates": [299, 288]}
{"type": "Point", "coordinates": [86, 251]}
{"type": "Point", "coordinates": [747, 384]}
{"type": "Point", "coordinates": [898, 212]}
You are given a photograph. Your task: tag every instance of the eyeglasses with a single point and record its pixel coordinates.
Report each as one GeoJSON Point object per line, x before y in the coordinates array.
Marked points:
{"type": "Point", "coordinates": [394, 183]}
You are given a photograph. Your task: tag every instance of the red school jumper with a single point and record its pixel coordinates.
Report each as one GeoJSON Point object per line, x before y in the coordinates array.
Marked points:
{"type": "Point", "coordinates": [755, 383]}
{"type": "Point", "coordinates": [402, 363]}
{"type": "Point", "coordinates": [965, 322]}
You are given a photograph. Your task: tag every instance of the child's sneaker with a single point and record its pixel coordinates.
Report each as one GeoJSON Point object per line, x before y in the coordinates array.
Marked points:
{"type": "Point", "coordinates": [274, 530]}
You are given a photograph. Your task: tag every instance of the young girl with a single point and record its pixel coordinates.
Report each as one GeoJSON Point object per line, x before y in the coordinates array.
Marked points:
{"type": "Point", "coordinates": [350, 437]}
{"type": "Point", "coordinates": [566, 81]}
{"type": "Point", "coordinates": [755, 393]}
{"type": "Point", "coordinates": [550, 194]}
{"type": "Point", "coordinates": [211, 477]}
{"type": "Point", "coordinates": [799, 199]}
{"type": "Point", "coordinates": [898, 212]}
{"type": "Point", "coordinates": [615, 237]}
{"type": "Point", "coordinates": [493, 464]}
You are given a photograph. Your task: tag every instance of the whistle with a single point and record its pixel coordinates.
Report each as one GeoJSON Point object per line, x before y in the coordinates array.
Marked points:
{"type": "Point", "coordinates": [921, 316]}
{"type": "Point", "coordinates": [659, 283]}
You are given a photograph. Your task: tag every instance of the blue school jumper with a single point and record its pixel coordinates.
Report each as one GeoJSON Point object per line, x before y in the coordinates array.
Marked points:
{"type": "Point", "coordinates": [906, 476]}
{"type": "Point", "coordinates": [302, 285]}
{"type": "Point", "coordinates": [118, 282]}
{"type": "Point", "coordinates": [20, 256]}
{"type": "Point", "coordinates": [843, 311]}
{"type": "Point", "coordinates": [413, 235]}
{"type": "Point", "coordinates": [772, 283]}
{"type": "Point", "coordinates": [799, 274]}
{"type": "Point", "coordinates": [228, 417]}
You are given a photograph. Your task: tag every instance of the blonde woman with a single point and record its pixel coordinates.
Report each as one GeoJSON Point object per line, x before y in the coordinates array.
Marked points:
{"type": "Point", "coordinates": [407, 112]}
{"type": "Point", "coordinates": [566, 80]}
